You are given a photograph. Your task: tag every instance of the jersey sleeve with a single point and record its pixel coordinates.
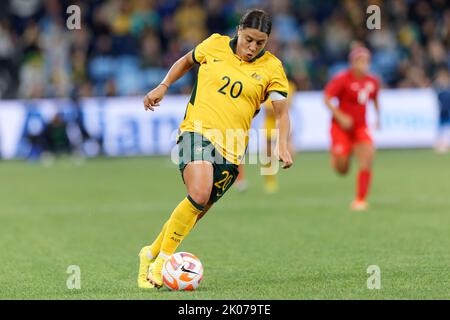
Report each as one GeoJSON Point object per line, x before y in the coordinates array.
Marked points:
{"type": "Point", "coordinates": [334, 87]}
{"type": "Point", "coordinates": [278, 82]}
{"type": "Point", "coordinates": [201, 50]}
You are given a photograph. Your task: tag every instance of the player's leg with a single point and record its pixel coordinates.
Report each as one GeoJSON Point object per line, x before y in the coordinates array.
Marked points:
{"type": "Point", "coordinates": [340, 163]}
{"type": "Point", "coordinates": [191, 147]}
{"type": "Point", "coordinates": [148, 254]}
{"type": "Point", "coordinates": [364, 154]}
{"type": "Point", "coordinates": [152, 251]}
{"type": "Point", "coordinates": [198, 177]}
{"type": "Point", "coordinates": [341, 148]}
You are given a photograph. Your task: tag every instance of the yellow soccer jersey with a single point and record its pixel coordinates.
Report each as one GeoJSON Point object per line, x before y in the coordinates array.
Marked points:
{"type": "Point", "coordinates": [229, 92]}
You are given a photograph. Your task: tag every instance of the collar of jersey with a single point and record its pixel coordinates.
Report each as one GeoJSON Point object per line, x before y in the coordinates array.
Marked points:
{"type": "Point", "coordinates": [233, 44]}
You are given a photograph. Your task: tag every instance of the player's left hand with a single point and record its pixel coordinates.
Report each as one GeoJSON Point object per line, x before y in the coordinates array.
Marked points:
{"type": "Point", "coordinates": [378, 124]}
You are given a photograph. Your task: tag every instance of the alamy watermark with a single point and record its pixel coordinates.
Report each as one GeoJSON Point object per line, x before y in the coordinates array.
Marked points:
{"type": "Point", "coordinates": [373, 21]}
{"type": "Point", "coordinates": [74, 279]}
{"type": "Point", "coordinates": [73, 22]}
{"type": "Point", "coordinates": [374, 280]}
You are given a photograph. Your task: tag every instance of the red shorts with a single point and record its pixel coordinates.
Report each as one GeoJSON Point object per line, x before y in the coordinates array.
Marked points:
{"type": "Point", "coordinates": [342, 141]}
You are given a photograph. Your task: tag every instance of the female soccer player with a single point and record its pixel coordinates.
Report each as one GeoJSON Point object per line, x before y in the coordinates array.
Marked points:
{"type": "Point", "coordinates": [235, 76]}
{"type": "Point", "coordinates": [349, 132]}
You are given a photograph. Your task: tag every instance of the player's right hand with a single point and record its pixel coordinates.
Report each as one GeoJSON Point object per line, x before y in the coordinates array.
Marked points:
{"type": "Point", "coordinates": [153, 97]}
{"type": "Point", "coordinates": [345, 121]}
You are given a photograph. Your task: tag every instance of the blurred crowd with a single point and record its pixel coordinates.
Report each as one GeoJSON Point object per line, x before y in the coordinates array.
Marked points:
{"type": "Point", "coordinates": [125, 47]}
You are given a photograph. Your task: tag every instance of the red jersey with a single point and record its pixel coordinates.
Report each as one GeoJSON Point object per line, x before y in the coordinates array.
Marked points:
{"type": "Point", "coordinates": [353, 94]}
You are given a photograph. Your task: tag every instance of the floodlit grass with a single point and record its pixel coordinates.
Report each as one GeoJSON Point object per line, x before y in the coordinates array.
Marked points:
{"type": "Point", "coordinates": [302, 243]}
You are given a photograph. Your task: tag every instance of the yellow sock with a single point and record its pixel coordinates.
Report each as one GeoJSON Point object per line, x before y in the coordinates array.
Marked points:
{"type": "Point", "coordinates": [271, 179]}
{"type": "Point", "coordinates": [178, 226]}
{"type": "Point", "coordinates": [270, 182]}
{"type": "Point", "coordinates": [156, 245]}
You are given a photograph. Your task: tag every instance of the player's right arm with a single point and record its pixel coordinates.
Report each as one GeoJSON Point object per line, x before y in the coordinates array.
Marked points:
{"type": "Point", "coordinates": [345, 121]}
{"type": "Point", "coordinates": [332, 90]}
{"type": "Point", "coordinates": [178, 69]}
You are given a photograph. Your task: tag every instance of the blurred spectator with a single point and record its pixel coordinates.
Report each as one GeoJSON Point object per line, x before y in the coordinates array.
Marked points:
{"type": "Point", "coordinates": [338, 36]}
{"type": "Point", "coordinates": [46, 140]}
{"type": "Point", "coordinates": [126, 46]}
{"type": "Point", "coordinates": [56, 136]}
{"type": "Point", "coordinates": [144, 17]}
{"type": "Point", "coordinates": [285, 25]}
{"type": "Point", "coordinates": [151, 52]}
{"type": "Point", "coordinates": [190, 20]}
{"type": "Point", "coordinates": [83, 144]}
{"type": "Point", "coordinates": [414, 77]}
{"type": "Point", "coordinates": [34, 141]}
{"type": "Point", "coordinates": [8, 61]}
{"type": "Point", "coordinates": [110, 88]}
{"type": "Point", "coordinates": [216, 20]}
{"type": "Point", "coordinates": [121, 17]}
{"type": "Point", "coordinates": [32, 67]}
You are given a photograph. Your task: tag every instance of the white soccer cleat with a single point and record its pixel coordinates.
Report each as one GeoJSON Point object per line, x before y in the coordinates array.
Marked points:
{"type": "Point", "coordinates": [359, 205]}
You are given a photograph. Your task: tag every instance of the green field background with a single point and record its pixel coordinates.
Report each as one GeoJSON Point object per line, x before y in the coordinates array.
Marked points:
{"type": "Point", "coordinates": [302, 243]}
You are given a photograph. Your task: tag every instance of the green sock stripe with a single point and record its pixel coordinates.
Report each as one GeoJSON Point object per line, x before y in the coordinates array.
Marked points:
{"type": "Point", "coordinates": [195, 204]}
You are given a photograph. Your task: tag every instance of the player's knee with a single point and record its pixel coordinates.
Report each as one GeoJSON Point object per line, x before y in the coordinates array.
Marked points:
{"type": "Point", "coordinates": [365, 166]}
{"type": "Point", "coordinates": [200, 196]}
{"type": "Point", "coordinates": [366, 163]}
{"type": "Point", "coordinates": [341, 166]}
{"type": "Point", "coordinates": [341, 170]}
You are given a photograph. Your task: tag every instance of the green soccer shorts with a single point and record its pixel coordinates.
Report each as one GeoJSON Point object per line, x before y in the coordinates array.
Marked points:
{"type": "Point", "coordinates": [193, 146]}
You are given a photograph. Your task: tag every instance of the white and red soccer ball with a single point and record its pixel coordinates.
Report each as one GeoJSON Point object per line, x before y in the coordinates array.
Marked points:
{"type": "Point", "coordinates": [182, 271]}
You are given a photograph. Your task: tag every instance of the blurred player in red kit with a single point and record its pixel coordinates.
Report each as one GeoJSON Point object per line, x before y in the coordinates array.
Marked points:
{"type": "Point", "coordinates": [353, 88]}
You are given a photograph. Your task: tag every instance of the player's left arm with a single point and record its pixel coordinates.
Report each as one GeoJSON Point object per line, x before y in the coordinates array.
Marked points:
{"type": "Point", "coordinates": [376, 105]}
{"type": "Point", "coordinates": [281, 111]}
{"type": "Point", "coordinates": [377, 112]}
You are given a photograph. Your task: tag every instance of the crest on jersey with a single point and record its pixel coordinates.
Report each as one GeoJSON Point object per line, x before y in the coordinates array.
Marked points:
{"type": "Point", "coordinates": [369, 86]}
{"type": "Point", "coordinates": [256, 76]}
{"type": "Point", "coordinates": [198, 150]}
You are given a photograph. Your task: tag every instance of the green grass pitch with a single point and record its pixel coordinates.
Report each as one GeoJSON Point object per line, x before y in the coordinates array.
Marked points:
{"type": "Point", "coordinates": [302, 243]}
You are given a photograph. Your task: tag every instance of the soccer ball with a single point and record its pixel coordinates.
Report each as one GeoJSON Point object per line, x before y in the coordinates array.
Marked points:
{"type": "Point", "coordinates": [182, 271]}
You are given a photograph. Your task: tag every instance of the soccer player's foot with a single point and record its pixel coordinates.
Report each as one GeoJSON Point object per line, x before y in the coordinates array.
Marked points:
{"type": "Point", "coordinates": [155, 272]}
{"type": "Point", "coordinates": [144, 263]}
{"type": "Point", "coordinates": [359, 205]}
{"type": "Point", "coordinates": [145, 284]}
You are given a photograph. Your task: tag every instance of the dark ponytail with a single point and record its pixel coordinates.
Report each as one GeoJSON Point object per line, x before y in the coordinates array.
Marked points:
{"type": "Point", "coordinates": [256, 19]}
